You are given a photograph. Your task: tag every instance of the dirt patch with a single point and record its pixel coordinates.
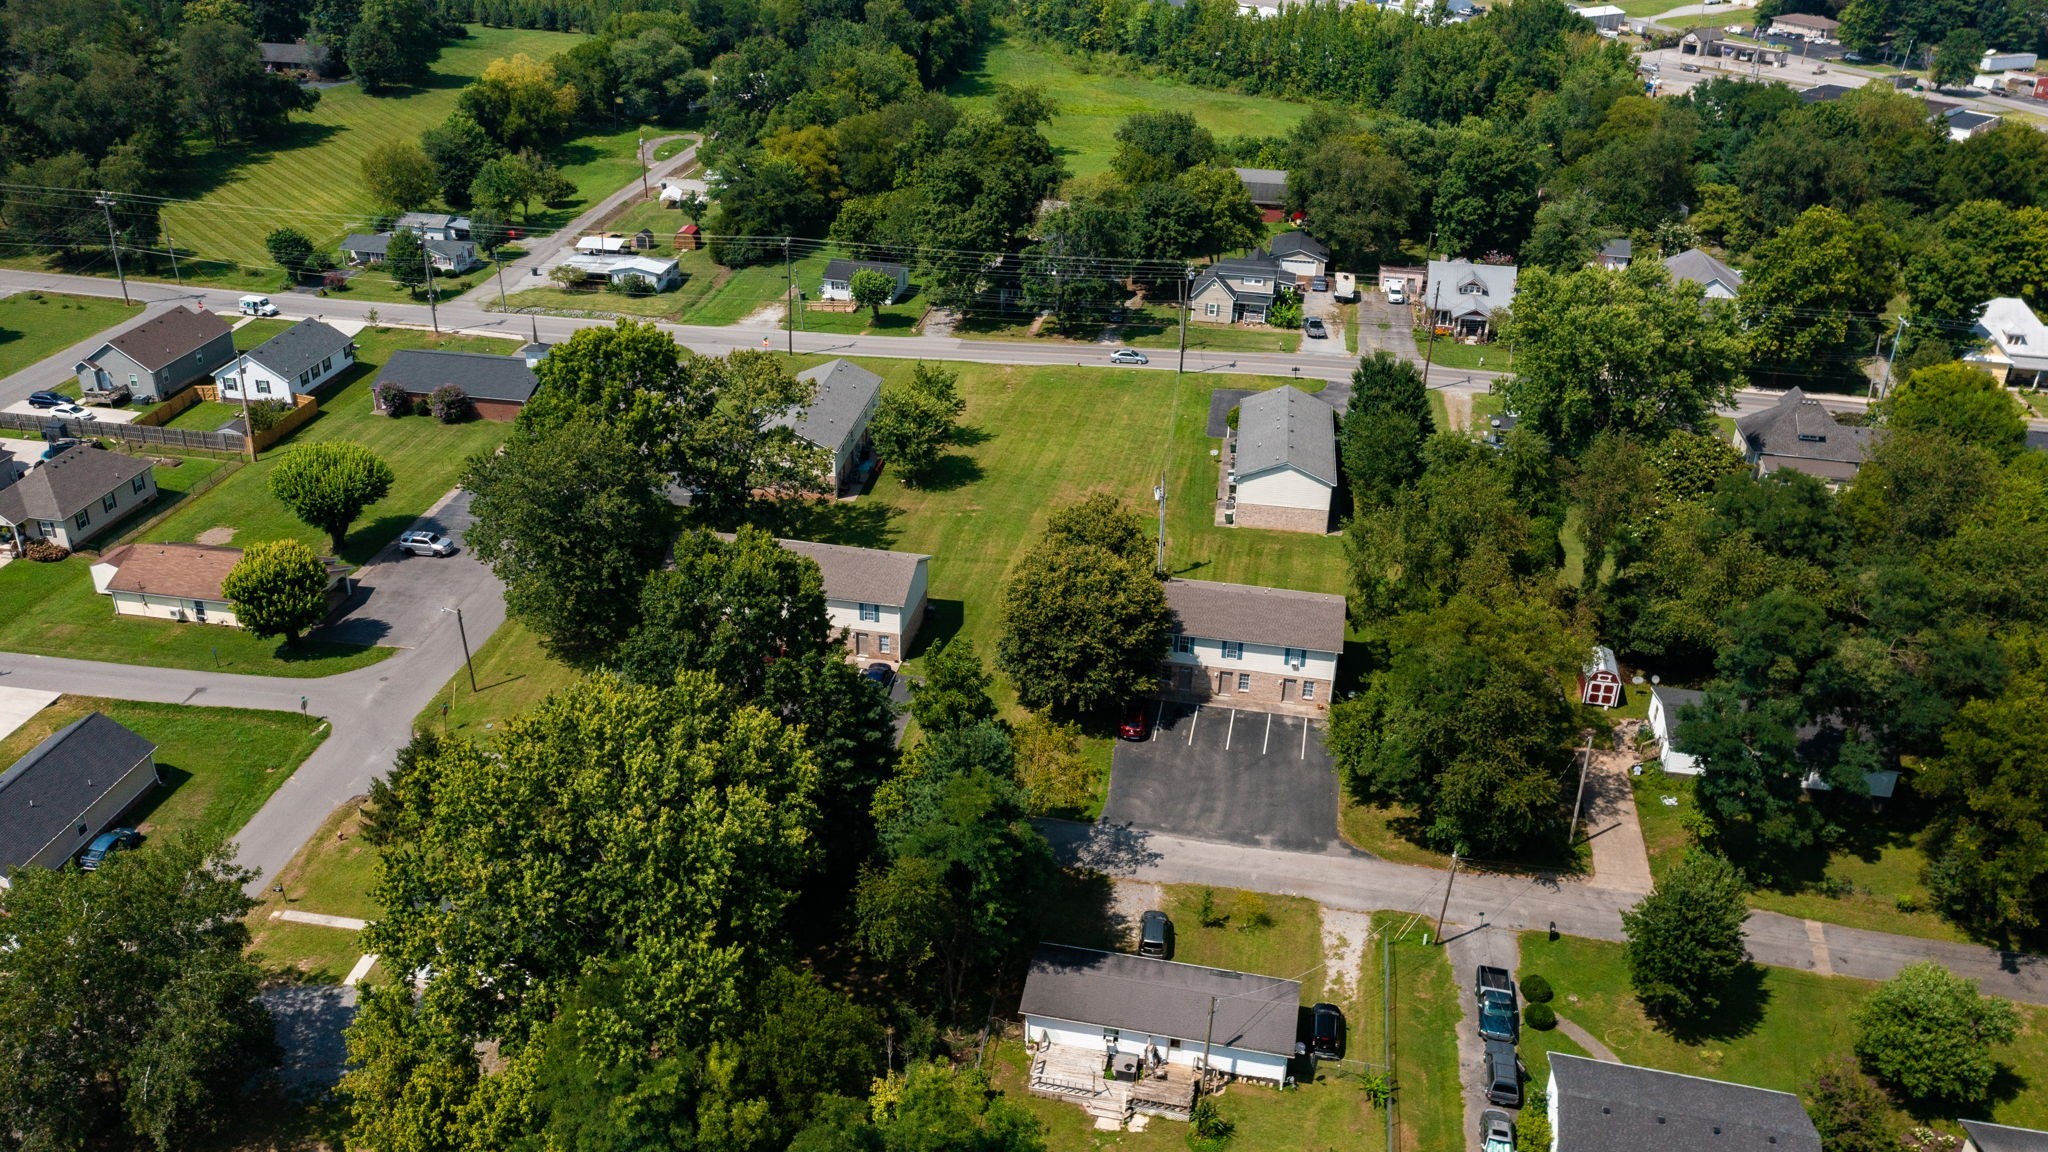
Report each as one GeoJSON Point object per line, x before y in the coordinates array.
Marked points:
{"type": "Point", "coordinates": [1344, 939]}
{"type": "Point", "coordinates": [765, 314]}
{"type": "Point", "coordinates": [217, 535]}
{"type": "Point", "coordinates": [1458, 410]}
{"type": "Point", "coordinates": [1131, 900]}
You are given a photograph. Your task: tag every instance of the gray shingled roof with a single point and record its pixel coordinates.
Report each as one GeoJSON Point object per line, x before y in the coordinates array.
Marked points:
{"type": "Point", "coordinates": [157, 342]}
{"type": "Point", "coordinates": [1161, 998]}
{"type": "Point", "coordinates": [1289, 243]}
{"type": "Point", "coordinates": [73, 479]}
{"type": "Point", "coordinates": [1231, 271]}
{"type": "Point", "coordinates": [1989, 1137]}
{"type": "Point", "coordinates": [1619, 248]}
{"type": "Point", "coordinates": [1264, 185]}
{"type": "Point", "coordinates": [479, 374]}
{"type": "Point", "coordinates": [298, 348]}
{"type": "Point", "coordinates": [1796, 428]}
{"type": "Point", "coordinates": [1278, 616]}
{"type": "Point", "coordinates": [367, 243]}
{"type": "Point", "coordinates": [843, 270]}
{"type": "Point", "coordinates": [1604, 1107]}
{"type": "Point", "coordinates": [59, 779]}
{"type": "Point", "coordinates": [1702, 269]}
{"type": "Point", "coordinates": [861, 575]}
{"type": "Point", "coordinates": [845, 390]}
{"type": "Point", "coordinates": [1446, 278]}
{"type": "Point", "coordinates": [1284, 426]}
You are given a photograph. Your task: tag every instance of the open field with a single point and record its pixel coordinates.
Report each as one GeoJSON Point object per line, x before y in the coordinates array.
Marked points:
{"type": "Point", "coordinates": [34, 325]}
{"type": "Point", "coordinates": [1771, 1034]}
{"type": "Point", "coordinates": [218, 764]}
{"type": "Point", "coordinates": [1092, 104]}
{"type": "Point", "coordinates": [427, 458]}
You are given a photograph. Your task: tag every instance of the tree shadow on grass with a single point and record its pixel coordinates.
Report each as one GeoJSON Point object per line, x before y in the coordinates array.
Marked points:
{"type": "Point", "coordinates": [1079, 908]}
{"type": "Point", "coordinates": [859, 523]}
{"type": "Point", "coordinates": [1743, 1003]}
{"type": "Point", "coordinates": [951, 471]}
{"type": "Point", "coordinates": [942, 621]}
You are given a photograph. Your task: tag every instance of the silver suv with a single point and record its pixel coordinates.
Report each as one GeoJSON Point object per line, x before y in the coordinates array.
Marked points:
{"type": "Point", "coordinates": [424, 543]}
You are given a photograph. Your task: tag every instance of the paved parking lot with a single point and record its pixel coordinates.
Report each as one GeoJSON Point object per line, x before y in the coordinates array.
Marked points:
{"type": "Point", "coordinates": [399, 597]}
{"type": "Point", "coordinates": [1228, 774]}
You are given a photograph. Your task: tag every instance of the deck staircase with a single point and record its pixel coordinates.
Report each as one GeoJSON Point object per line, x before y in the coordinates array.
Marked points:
{"type": "Point", "coordinates": [1077, 1074]}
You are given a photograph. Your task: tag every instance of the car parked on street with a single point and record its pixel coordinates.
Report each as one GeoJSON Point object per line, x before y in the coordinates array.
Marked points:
{"type": "Point", "coordinates": [1688, 67]}
{"type": "Point", "coordinates": [1137, 724]}
{"type": "Point", "coordinates": [1128, 356]}
{"type": "Point", "coordinates": [1497, 1132]}
{"type": "Point", "coordinates": [106, 844]}
{"type": "Point", "coordinates": [424, 543]}
{"type": "Point", "coordinates": [1314, 328]}
{"type": "Point", "coordinates": [48, 400]}
{"type": "Point", "coordinates": [1503, 1075]}
{"type": "Point", "coordinates": [1326, 1031]}
{"type": "Point", "coordinates": [1155, 935]}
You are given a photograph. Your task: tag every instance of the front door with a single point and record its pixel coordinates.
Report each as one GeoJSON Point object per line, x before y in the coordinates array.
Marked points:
{"type": "Point", "coordinates": [1286, 691]}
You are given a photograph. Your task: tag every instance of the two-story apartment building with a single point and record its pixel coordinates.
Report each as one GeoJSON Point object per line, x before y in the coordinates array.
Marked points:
{"type": "Point", "coordinates": [1284, 461]}
{"type": "Point", "coordinates": [75, 495]}
{"type": "Point", "coordinates": [836, 419]}
{"type": "Point", "coordinates": [877, 597]}
{"type": "Point", "coordinates": [1266, 649]}
{"type": "Point", "coordinates": [159, 356]}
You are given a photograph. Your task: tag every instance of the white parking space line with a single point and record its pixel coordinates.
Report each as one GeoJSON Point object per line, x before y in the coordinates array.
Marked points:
{"type": "Point", "coordinates": [1304, 737]}
{"type": "Point", "coordinates": [1268, 742]}
{"type": "Point", "coordinates": [1192, 718]}
{"type": "Point", "coordinates": [1231, 731]}
{"type": "Point", "coordinates": [1156, 714]}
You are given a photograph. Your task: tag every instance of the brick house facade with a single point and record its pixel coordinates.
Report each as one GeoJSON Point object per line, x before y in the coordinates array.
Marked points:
{"type": "Point", "coordinates": [1265, 649]}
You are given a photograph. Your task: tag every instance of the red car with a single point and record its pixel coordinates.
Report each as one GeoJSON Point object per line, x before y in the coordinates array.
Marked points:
{"type": "Point", "coordinates": [1137, 725]}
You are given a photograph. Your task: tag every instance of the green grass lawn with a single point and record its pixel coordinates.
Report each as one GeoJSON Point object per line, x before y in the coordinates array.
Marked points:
{"type": "Point", "coordinates": [426, 457]}
{"type": "Point", "coordinates": [34, 325]}
{"type": "Point", "coordinates": [259, 330]}
{"type": "Point", "coordinates": [333, 875]}
{"type": "Point", "coordinates": [1771, 1035]}
{"type": "Point", "coordinates": [1451, 354]}
{"type": "Point", "coordinates": [1091, 105]}
{"type": "Point", "coordinates": [218, 764]}
{"type": "Point", "coordinates": [1290, 946]}
{"type": "Point", "coordinates": [1159, 327]}
{"type": "Point", "coordinates": [513, 673]}
{"type": "Point", "coordinates": [711, 294]}
{"type": "Point", "coordinates": [205, 416]}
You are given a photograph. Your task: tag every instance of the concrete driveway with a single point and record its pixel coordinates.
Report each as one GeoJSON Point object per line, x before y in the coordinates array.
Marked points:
{"type": "Point", "coordinates": [1226, 774]}
{"type": "Point", "coordinates": [1467, 948]}
{"type": "Point", "coordinates": [1324, 306]}
{"type": "Point", "coordinates": [399, 596]}
{"type": "Point", "coordinates": [103, 415]}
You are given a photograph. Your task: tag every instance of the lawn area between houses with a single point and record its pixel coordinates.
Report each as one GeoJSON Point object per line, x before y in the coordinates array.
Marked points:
{"type": "Point", "coordinates": [35, 325]}
{"type": "Point", "coordinates": [218, 764]}
{"type": "Point", "coordinates": [426, 457]}
{"type": "Point", "coordinates": [1771, 1035]}
{"type": "Point", "coordinates": [513, 673]}
{"type": "Point", "coordinates": [1465, 357]}
{"type": "Point", "coordinates": [1158, 326]}
{"type": "Point", "coordinates": [1091, 101]}
{"type": "Point", "coordinates": [259, 330]}
{"type": "Point", "coordinates": [332, 875]}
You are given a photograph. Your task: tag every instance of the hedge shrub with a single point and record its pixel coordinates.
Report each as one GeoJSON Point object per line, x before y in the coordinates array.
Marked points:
{"type": "Point", "coordinates": [1539, 1016]}
{"type": "Point", "coordinates": [1536, 990]}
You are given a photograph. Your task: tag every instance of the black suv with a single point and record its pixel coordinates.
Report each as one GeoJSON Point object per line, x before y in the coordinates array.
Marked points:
{"type": "Point", "coordinates": [1155, 935]}
{"type": "Point", "coordinates": [1503, 1075]}
{"type": "Point", "coordinates": [1326, 1031]}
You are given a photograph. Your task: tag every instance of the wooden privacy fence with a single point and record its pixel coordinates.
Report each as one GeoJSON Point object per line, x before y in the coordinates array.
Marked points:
{"type": "Point", "coordinates": [128, 433]}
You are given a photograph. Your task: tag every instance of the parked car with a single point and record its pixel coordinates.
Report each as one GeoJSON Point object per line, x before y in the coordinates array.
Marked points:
{"type": "Point", "coordinates": [881, 674]}
{"type": "Point", "coordinates": [1503, 1075]}
{"type": "Point", "coordinates": [70, 411]}
{"type": "Point", "coordinates": [1688, 67]}
{"type": "Point", "coordinates": [1137, 725]}
{"type": "Point", "coordinates": [1498, 1010]}
{"type": "Point", "coordinates": [48, 400]}
{"type": "Point", "coordinates": [1313, 327]}
{"type": "Point", "coordinates": [424, 543]}
{"type": "Point", "coordinates": [1852, 58]}
{"type": "Point", "coordinates": [1319, 284]}
{"type": "Point", "coordinates": [1326, 1031]}
{"type": "Point", "coordinates": [1155, 935]}
{"type": "Point", "coordinates": [1396, 294]}
{"type": "Point", "coordinates": [1128, 356]}
{"type": "Point", "coordinates": [106, 844]}
{"type": "Point", "coordinates": [1497, 1132]}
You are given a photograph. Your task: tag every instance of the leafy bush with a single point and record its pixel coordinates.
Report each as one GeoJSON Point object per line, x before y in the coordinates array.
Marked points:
{"type": "Point", "coordinates": [1057, 778]}
{"type": "Point", "coordinates": [450, 404]}
{"type": "Point", "coordinates": [631, 285]}
{"type": "Point", "coordinates": [1208, 1129]}
{"type": "Point", "coordinates": [1536, 990]}
{"type": "Point", "coordinates": [1539, 1016]}
{"type": "Point", "coordinates": [44, 551]}
{"type": "Point", "coordinates": [1286, 310]}
{"type": "Point", "coordinates": [264, 414]}
{"type": "Point", "coordinates": [393, 399]}
{"type": "Point", "coordinates": [334, 280]}
{"type": "Point", "coordinates": [1206, 912]}
{"type": "Point", "coordinates": [1249, 910]}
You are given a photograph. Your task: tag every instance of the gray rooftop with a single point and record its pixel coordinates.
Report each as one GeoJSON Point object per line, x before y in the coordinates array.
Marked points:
{"type": "Point", "coordinates": [1604, 1107]}
{"type": "Point", "coordinates": [861, 575]}
{"type": "Point", "coordinates": [1619, 248]}
{"type": "Point", "coordinates": [1989, 1137]}
{"type": "Point", "coordinates": [480, 375]}
{"type": "Point", "coordinates": [1264, 185]}
{"type": "Point", "coordinates": [1701, 268]}
{"type": "Point", "coordinates": [298, 348]}
{"type": "Point", "coordinates": [59, 780]}
{"type": "Point", "coordinates": [1448, 280]}
{"type": "Point", "coordinates": [1232, 271]}
{"type": "Point", "coordinates": [1162, 998]}
{"type": "Point", "coordinates": [1280, 617]}
{"type": "Point", "coordinates": [156, 342]}
{"type": "Point", "coordinates": [367, 243]}
{"type": "Point", "coordinates": [73, 479]}
{"type": "Point", "coordinates": [1797, 429]}
{"type": "Point", "coordinates": [1289, 243]}
{"type": "Point", "coordinates": [845, 391]}
{"type": "Point", "coordinates": [1283, 426]}
{"type": "Point", "coordinates": [1676, 698]}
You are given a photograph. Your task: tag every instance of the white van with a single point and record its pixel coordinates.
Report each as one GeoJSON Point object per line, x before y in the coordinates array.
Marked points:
{"type": "Point", "coordinates": [258, 306]}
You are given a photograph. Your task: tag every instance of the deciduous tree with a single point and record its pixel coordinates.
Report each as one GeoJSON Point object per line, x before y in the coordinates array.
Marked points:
{"type": "Point", "coordinates": [519, 102]}
{"type": "Point", "coordinates": [405, 260]}
{"type": "Point", "coordinates": [1851, 1113]}
{"type": "Point", "coordinates": [1385, 426]}
{"type": "Point", "coordinates": [953, 695]}
{"type": "Point", "coordinates": [1929, 1033]}
{"type": "Point", "coordinates": [290, 250]}
{"type": "Point", "coordinates": [872, 288]}
{"type": "Point", "coordinates": [329, 483]}
{"type": "Point", "coordinates": [278, 588]}
{"type": "Point", "coordinates": [1685, 939]}
{"type": "Point", "coordinates": [916, 421]}
{"type": "Point", "coordinates": [399, 176]}
{"type": "Point", "coordinates": [1959, 401]}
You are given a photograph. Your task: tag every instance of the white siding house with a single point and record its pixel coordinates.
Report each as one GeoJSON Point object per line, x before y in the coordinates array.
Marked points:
{"type": "Point", "coordinates": [836, 419]}
{"type": "Point", "coordinates": [296, 361]}
{"type": "Point", "coordinates": [1665, 704]}
{"type": "Point", "coordinates": [876, 597]}
{"type": "Point", "coordinates": [69, 789]}
{"type": "Point", "coordinates": [1284, 461]}
{"type": "Point", "coordinates": [1266, 649]}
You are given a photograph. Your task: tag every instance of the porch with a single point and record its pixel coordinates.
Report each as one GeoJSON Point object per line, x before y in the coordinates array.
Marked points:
{"type": "Point", "coordinates": [1114, 1089]}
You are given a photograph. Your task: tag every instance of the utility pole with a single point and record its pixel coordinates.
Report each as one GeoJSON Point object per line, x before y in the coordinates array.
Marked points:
{"type": "Point", "coordinates": [1585, 759]}
{"type": "Point", "coordinates": [1893, 358]}
{"type": "Point", "coordinates": [171, 246]}
{"type": "Point", "coordinates": [248, 429]}
{"type": "Point", "coordinates": [1207, 1032]}
{"type": "Point", "coordinates": [789, 299]}
{"type": "Point", "coordinates": [643, 162]}
{"type": "Point", "coordinates": [1445, 910]}
{"type": "Point", "coordinates": [1182, 366]}
{"type": "Point", "coordinates": [427, 262]}
{"type": "Point", "coordinates": [1437, 297]}
{"type": "Point", "coordinates": [106, 202]}
{"type": "Point", "coordinates": [498, 266]}
{"type": "Point", "coordinates": [1159, 496]}
{"type": "Point", "coordinates": [464, 633]}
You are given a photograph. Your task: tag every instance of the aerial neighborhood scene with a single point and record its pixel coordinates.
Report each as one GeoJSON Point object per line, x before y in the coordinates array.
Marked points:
{"type": "Point", "coordinates": [1023, 576]}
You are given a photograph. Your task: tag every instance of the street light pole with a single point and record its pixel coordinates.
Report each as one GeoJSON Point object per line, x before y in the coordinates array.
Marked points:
{"type": "Point", "coordinates": [1159, 495]}
{"type": "Point", "coordinates": [427, 262]}
{"type": "Point", "coordinates": [1445, 910]}
{"type": "Point", "coordinates": [788, 299]}
{"type": "Point", "coordinates": [1585, 760]}
{"type": "Point", "coordinates": [106, 202]}
{"type": "Point", "coordinates": [1892, 359]}
{"type": "Point", "coordinates": [466, 661]}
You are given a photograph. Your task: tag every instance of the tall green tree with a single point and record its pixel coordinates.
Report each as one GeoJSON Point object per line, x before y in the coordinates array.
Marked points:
{"type": "Point", "coordinates": [953, 695]}
{"type": "Point", "coordinates": [1685, 939]}
{"type": "Point", "coordinates": [1812, 291]}
{"type": "Point", "coordinates": [223, 87]}
{"type": "Point", "coordinates": [399, 176]}
{"type": "Point", "coordinates": [405, 260]}
{"type": "Point", "coordinates": [1385, 426]}
{"type": "Point", "coordinates": [128, 1010]}
{"type": "Point", "coordinates": [573, 521]}
{"type": "Point", "coordinates": [1851, 1113]}
{"type": "Point", "coordinates": [872, 288]}
{"type": "Point", "coordinates": [278, 588]}
{"type": "Point", "coordinates": [1959, 401]}
{"type": "Point", "coordinates": [290, 250]}
{"type": "Point", "coordinates": [457, 148]}
{"type": "Point", "coordinates": [1085, 621]}
{"type": "Point", "coordinates": [328, 484]}
{"type": "Point", "coordinates": [1955, 59]}
{"type": "Point", "coordinates": [1990, 869]}
{"type": "Point", "coordinates": [916, 421]}
{"type": "Point", "coordinates": [1156, 146]}
{"type": "Point", "coordinates": [1929, 1033]}
{"type": "Point", "coordinates": [1486, 194]}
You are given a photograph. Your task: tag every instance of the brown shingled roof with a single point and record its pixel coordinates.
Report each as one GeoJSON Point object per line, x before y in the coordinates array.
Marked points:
{"type": "Point", "coordinates": [863, 575]}
{"type": "Point", "coordinates": [186, 571]}
{"type": "Point", "coordinates": [179, 332]}
{"type": "Point", "coordinates": [1243, 612]}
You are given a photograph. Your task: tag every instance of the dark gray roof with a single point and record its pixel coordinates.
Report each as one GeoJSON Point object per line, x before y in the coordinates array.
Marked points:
{"type": "Point", "coordinates": [1823, 93]}
{"type": "Point", "coordinates": [434, 220]}
{"type": "Point", "coordinates": [1264, 185]}
{"type": "Point", "coordinates": [1989, 1137]}
{"type": "Point", "coordinates": [298, 348]}
{"type": "Point", "coordinates": [479, 374]}
{"type": "Point", "coordinates": [1965, 119]}
{"type": "Point", "coordinates": [843, 270]}
{"type": "Point", "coordinates": [1676, 698]}
{"type": "Point", "coordinates": [59, 780]}
{"type": "Point", "coordinates": [298, 54]}
{"type": "Point", "coordinates": [69, 481]}
{"type": "Point", "coordinates": [862, 575]}
{"type": "Point", "coordinates": [845, 391]}
{"type": "Point", "coordinates": [1232, 271]}
{"type": "Point", "coordinates": [367, 243]}
{"type": "Point", "coordinates": [1799, 429]}
{"type": "Point", "coordinates": [1701, 268]}
{"type": "Point", "coordinates": [1162, 998]}
{"type": "Point", "coordinates": [180, 332]}
{"type": "Point", "coordinates": [1604, 1107]}
{"type": "Point", "coordinates": [1289, 243]}
{"type": "Point", "coordinates": [1285, 425]}
{"type": "Point", "coordinates": [453, 249]}
{"type": "Point", "coordinates": [1281, 617]}
{"type": "Point", "coordinates": [1619, 248]}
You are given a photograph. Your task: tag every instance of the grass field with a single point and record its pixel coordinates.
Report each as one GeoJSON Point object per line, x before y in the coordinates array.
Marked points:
{"type": "Point", "coordinates": [218, 764]}
{"type": "Point", "coordinates": [1091, 105]}
{"type": "Point", "coordinates": [1451, 354]}
{"type": "Point", "coordinates": [34, 325]}
{"type": "Point", "coordinates": [1772, 1034]}
{"type": "Point", "coordinates": [513, 673]}
{"type": "Point", "coordinates": [332, 874]}
{"type": "Point", "coordinates": [426, 457]}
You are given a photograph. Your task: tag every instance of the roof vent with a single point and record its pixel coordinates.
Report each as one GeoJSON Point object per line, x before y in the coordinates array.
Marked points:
{"type": "Point", "coordinates": [1605, 1110]}
{"type": "Point", "coordinates": [1660, 1119]}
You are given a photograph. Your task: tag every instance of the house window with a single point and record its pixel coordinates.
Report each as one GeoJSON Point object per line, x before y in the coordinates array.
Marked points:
{"type": "Point", "coordinates": [263, 387]}
{"type": "Point", "coordinates": [83, 518]}
{"type": "Point", "coordinates": [1294, 657]}
{"type": "Point", "coordinates": [1185, 645]}
{"type": "Point", "coordinates": [327, 366]}
{"type": "Point", "coordinates": [871, 612]}
{"type": "Point", "coordinates": [131, 379]}
{"type": "Point", "coordinates": [2010, 338]}
{"type": "Point", "coordinates": [882, 645]}
{"type": "Point", "coordinates": [1308, 689]}
{"type": "Point", "coordinates": [305, 377]}
{"type": "Point", "coordinates": [1472, 289]}
{"type": "Point", "coordinates": [1244, 681]}
{"type": "Point", "coordinates": [1251, 282]}
{"type": "Point", "coordinates": [108, 501]}
{"type": "Point", "coordinates": [46, 528]}
{"type": "Point", "coordinates": [1211, 308]}
{"type": "Point", "coordinates": [1233, 649]}
{"type": "Point", "coordinates": [136, 484]}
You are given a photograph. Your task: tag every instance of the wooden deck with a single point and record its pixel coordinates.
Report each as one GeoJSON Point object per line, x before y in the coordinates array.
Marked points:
{"type": "Point", "coordinates": [1079, 1075]}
